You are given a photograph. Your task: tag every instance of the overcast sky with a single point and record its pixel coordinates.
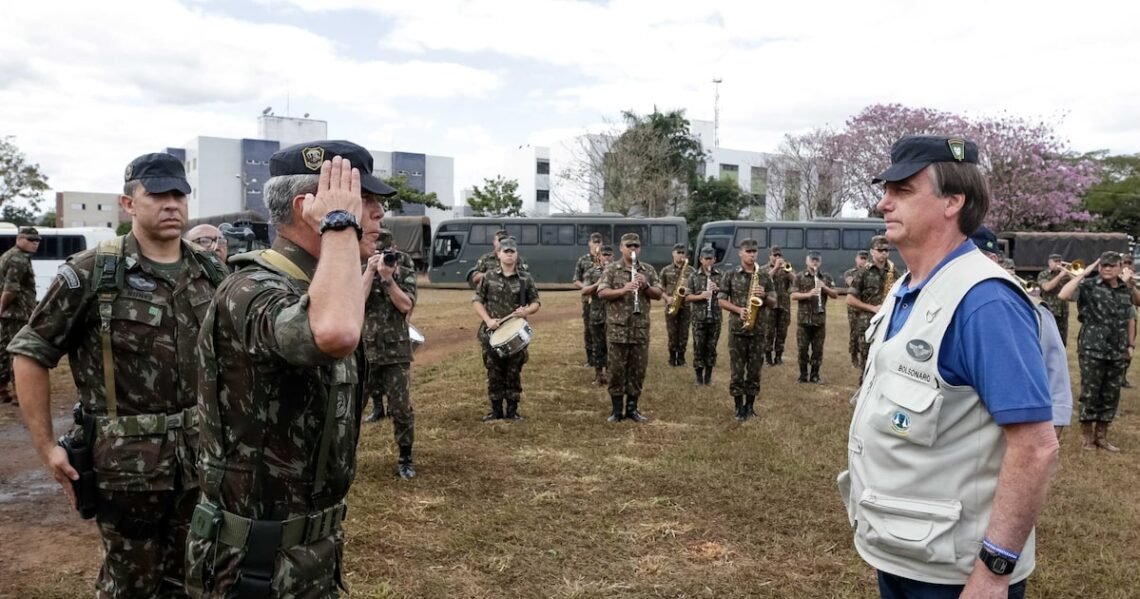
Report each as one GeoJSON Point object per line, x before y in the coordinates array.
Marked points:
{"type": "Point", "coordinates": [86, 86]}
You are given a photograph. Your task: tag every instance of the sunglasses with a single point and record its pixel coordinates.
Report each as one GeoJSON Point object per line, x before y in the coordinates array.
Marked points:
{"type": "Point", "coordinates": [633, 245]}
{"type": "Point", "coordinates": [608, 254]}
{"type": "Point", "coordinates": [508, 251]}
{"type": "Point", "coordinates": [751, 251]}
{"type": "Point", "coordinates": [884, 250]}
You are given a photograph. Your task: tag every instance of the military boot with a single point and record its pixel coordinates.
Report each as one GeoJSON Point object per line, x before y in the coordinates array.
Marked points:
{"type": "Point", "coordinates": [779, 359]}
{"type": "Point", "coordinates": [768, 358]}
{"type": "Point", "coordinates": [377, 411]}
{"type": "Point", "coordinates": [615, 414]}
{"type": "Point", "coordinates": [404, 466]}
{"type": "Point", "coordinates": [513, 410]}
{"type": "Point", "coordinates": [749, 406]}
{"type": "Point", "coordinates": [631, 412]}
{"type": "Point", "coordinates": [681, 358]}
{"type": "Point", "coordinates": [815, 374]}
{"type": "Point", "coordinates": [738, 402]}
{"type": "Point", "coordinates": [496, 412]}
{"type": "Point", "coordinates": [1102, 438]}
{"type": "Point", "coordinates": [700, 376]}
{"type": "Point", "coordinates": [708, 375]}
{"type": "Point", "coordinates": [1087, 436]}
{"type": "Point", "coordinates": [803, 374]}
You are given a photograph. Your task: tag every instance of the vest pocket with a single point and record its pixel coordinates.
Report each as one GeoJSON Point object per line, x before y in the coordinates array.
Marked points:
{"type": "Point", "coordinates": [921, 529]}
{"type": "Point", "coordinates": [907, 410]}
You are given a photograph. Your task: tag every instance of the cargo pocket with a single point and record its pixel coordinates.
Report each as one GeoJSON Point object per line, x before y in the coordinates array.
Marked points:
{"type": "Point", "coordinates": [910, 412]}
{"type": "Point", "coordinates": [135, 325]}
{"type": "Point", "coordinates": [133, 453]}
{"type": "Point", "coordinates": [843, 481]}
{"type": "Point", "coordinates": [920, 529]}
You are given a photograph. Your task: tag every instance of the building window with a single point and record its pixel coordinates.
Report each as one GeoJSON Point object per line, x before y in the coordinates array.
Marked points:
{"type": "Point", "coordinates": [729, 172]}
{"type": "Point", "coordinates": [542, 195]}
{"type": "Point", "coordinates": [110, 226]}
{"type": "Point", "coordinates": [542, 167]}
{"type": "Point", "coordinates": [759, 182]}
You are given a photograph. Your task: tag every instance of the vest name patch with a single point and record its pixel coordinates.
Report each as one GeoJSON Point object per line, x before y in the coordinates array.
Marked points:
{"type": "Point", "coordinates": [917, 375]}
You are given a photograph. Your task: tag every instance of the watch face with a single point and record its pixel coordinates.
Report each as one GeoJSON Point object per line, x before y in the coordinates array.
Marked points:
{"type": "Point", "coordinates": [1000, 565]}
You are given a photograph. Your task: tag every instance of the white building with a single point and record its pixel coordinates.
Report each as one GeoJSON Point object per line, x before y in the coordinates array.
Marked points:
{"type": "Point", "coordinates": [530, 166]}
{"type": "Point", "coordinates": [88, 209]}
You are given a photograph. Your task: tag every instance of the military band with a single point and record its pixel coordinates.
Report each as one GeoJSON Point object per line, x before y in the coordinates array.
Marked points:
{"type": "Point", "coordinates": [853, 313]}
{"type": "Point", "coordinates": [704, 286]}
{"type": "Point", "coordinates": [813, 288]}
{"type": "Point", "coordinates": [746, 293]}
{"type": "Point", "coordinates": [597, 315]}
{"type": "Point", "coordinates": [585, 264]}
{"type": "Point", "coordinates": [868, 290]}
{"type": "Point", "coordinates": [779, 317]}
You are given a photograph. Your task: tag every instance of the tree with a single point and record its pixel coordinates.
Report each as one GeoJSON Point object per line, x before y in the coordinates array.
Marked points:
{"type": "Point", "coordinates": [47, 219]}
{"type": "Point", "coordinates": [123, 228]}
{"type": "Point", "coordinates": [498, 197]}
{"type": "Point", "coordinates": [18, 179]}
{"type": "Point", "coordinates": [714, 199]}
{"type": "Point", "coordinates": [406, 194]}
{"type": "Point", "coordinates": [810, 176]}
{"type": "Point", "coordinates": [1115, 199]}
{"type": "Point", "coordinates": [21, 216]}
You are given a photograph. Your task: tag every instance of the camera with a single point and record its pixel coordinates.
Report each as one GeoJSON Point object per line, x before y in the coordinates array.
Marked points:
{"type": "Point", "coordinates": [390, 258]}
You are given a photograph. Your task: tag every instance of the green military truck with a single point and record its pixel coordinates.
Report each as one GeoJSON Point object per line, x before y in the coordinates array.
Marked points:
{"type": "Point", "coordinates": [1030, 250]}
{"type": "Point", "coordinates": [412, 235]}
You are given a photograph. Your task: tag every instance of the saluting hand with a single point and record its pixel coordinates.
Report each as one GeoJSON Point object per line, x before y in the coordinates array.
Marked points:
{"type": "Point", "coordinates": [337, 189]}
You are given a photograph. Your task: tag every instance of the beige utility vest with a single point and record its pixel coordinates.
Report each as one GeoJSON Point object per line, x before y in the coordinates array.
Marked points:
{"type": "Point", "coordinates": [924, 455]}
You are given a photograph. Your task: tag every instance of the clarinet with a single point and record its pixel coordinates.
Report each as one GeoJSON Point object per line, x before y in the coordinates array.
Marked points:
{"type": "Point", "coordinates": [633, 277]}
{"type": "Point", "coordinates": [708, 287]}
{"type": "Point", "coordinates": [819, 298]}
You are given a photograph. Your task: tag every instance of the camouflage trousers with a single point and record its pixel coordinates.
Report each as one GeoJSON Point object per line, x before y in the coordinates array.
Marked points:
{"type": "Point", "coordinates": [144, 543]}
{"type": "Point", "coordinates": [862, 322]}
{"type": "Point", "coordinates": [310, 571]}
{"type": "Point", "coordinates": [1063, 327]}
{"type": "Point", "coordinates": [1100, 388]}
{"type": "Point", "coordinates": [598, 339]}
{"type": "Point", "coordinates": [746, 352]}
{"type": "Point", "coordinates": [705, 337]}
{"type": "Point", "coordinates": [627, 365]}
{"type": "Point", "coordinates": [504, 375]}
{"type": "Point", "coordinates": [853, 338]}
{"type": "Point", "coordinates": [810, 337]}
{"type": "Point", "coordinates": [391, 381]}
{"type": "Point", "coordinates": [588, 336]}
{"type": "Point", "coordinates": [677, 330]}
{"type": "Point", "coordinates": [8, 329]}
{"type": "Point", "coordinates": [776, 329]}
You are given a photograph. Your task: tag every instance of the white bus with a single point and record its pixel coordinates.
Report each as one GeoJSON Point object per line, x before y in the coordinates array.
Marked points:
{"type": "Point", "coordinates": [55, 246]}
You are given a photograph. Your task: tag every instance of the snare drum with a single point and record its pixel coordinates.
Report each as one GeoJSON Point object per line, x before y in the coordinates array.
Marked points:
{"type": "Point", "coordinates": [511, 337]}
{"type": "Point", "coordinates": [416, 337]}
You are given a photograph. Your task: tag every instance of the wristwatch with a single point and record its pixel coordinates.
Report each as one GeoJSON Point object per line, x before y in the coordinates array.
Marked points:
{"type": "Point", "coordinates": [997, 563]}
{"type": "Point", "coordinates": [339, 220]}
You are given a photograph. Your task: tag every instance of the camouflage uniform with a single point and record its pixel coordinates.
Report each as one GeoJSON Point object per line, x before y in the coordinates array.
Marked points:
{"type": "Point", "coordinates": [777, 319]}
{"type": "Point", "coordinates": [388, 350]}
{"type": "Point", "coordinates": [811, 323]}
{"type": "Point", "coordinates": [868, 287]}
{"type": "Point", "coordinates": [745, 348]}
{"type": "Point", "coordinates": [852, 321]}
{"type": "Point", "coordinates": [280, 425]}
{"type": "Point", "coordinates": [677, 324]}
{"type": "Point", "coordinates": [1056, 305]}
{"type": "Point", "coordinates": [627, 334]}
{"type": "Point", "coordinates": [584, 265]}
{"type": "Point", "coordinates": [706, 322]}
{"type": "Point", "coordinates": [17, 278]}
{"type": "Point", "coordinates": [500, 295]}
{"type": "Point", "coordinates": [1102, 346]}
{"type": "Point", "coordinates": [597, 318]}
{"type": "Point", "coordinates": [145, 445]}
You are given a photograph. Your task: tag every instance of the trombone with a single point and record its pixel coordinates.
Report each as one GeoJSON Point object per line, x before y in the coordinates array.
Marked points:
{"type": "Point", "coordinates": [1075, 268]}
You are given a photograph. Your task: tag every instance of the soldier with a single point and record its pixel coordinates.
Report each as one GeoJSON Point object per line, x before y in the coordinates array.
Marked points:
{"type": "Point", "coordinates": [1104, 344]}
{"type": "Point", "coordinates": [585, 264]}
{"type": "Point", "coordinates": [778, 319]}
{"type": "Point", "coordinates": [592, 279]}
{"type": "Point", "coordinates": [704, 285]}
{"type": "Point", "coordinates": [853, 313]}
{"type": "Point", "coordinates": [281, 394]}
{"type": "Point", "coordinates": [506, 292]}
{"type": "Point", "coordinates": [1050, 281]}
{"type": "Point", "coordinates": [813, 287]}
{"type": "Point", "coordinates": [17, 300]}
{"type": "Point", "coordinates": [210, 237]}
{"type": "Point", "coordinates": [868, 290]}
{"type": "Point", "coordinates": [490, 260]}
{"type": "Point", "coordinates": [676, 324]}
{"type": "Point", "coordinates": [1127, 274]}
{"type": "Point", "coordinates": [628, 292]}
{"type": "Point", "coordinates": [746, 346]}
{"type": "Point", "coordinates": [386, 243]}
{"type": "Point", "coordinates": [134, 303]}
{"type": "Point", "coordinates": [390, 294]}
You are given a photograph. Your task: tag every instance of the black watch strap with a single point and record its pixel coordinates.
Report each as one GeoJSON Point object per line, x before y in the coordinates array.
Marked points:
{"type": "Point", "coordinates": [339, 220]}
{"type": "Point", "coordinates": [997, 563]}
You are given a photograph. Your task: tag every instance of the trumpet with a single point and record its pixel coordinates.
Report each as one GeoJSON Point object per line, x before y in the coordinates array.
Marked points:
{"type": "Point", "coordinates": [788, 267]}
{"type": "Point", "coordinates": [680, 292]}
{"type": "Point", "coordinates": [1029, 285]}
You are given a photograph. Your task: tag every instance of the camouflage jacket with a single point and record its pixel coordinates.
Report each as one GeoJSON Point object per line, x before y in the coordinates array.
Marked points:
{"type": "Point", "coordinates": [597, 304]}
{"type": "Point", "coordinates": [1052, 299]}
{"type": "Point", "coordinates": [698, 282]}
{"type": "Point", "coordinates": [19, 279]}
{"type": "Point", "coordinates": [737, 288]}
{"type": "Point", "coordinates": [269, 398]}
{"type": "Point", "coordinates": [385, 337]}
{"type": "Point", "coordinates": [490, 261]}
{"type": "Point", "coordinates": [581, 267]}
{"type": "Point", "coordinates": [154, 332]}
{"type": "Point", "coordinates": [782, 283]}
{"type": "Point", "coordinates": [848, 278]}
{"type": "Point", "coordinates": [869, 284]}
{"type": "Point", "coordinates": [808, 311]}
{"type": "Point", "coordinates": [622, 325]}
{"type": "Point", "coordinates": [1104, 313]}
{"type": "Point", "coordinates": [501, 294]}
{"type": "Point", "coordinates": [670, 276]}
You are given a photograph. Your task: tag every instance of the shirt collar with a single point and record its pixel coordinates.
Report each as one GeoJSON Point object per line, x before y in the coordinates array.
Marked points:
{"type": "Point", "coordinates": [966, 247]}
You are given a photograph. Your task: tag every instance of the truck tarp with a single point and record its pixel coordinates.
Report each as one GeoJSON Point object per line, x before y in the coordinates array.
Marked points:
{"type": "Point", "coordinates": [412, 234]}
{"type": "Point", "coordinates": [1030, 250]}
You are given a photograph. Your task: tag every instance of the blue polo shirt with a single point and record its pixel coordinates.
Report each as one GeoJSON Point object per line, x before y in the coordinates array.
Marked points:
{"type": "Point", "coordinates": [992, 345]}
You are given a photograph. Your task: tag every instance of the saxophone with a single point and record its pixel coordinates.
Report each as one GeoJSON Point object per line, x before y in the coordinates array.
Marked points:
{"type": "Point", "coordinates": [679, 292]}
{"type": "Point", "coordinates": [754, 303]}
{"type": "Point", "coordinates": [888, 281]}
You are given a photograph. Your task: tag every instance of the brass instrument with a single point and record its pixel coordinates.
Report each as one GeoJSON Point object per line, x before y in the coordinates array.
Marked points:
{"type": "Point", "coordinates": [787, 267]}
{"type": "Point", "coordinates": [754, 303]}
{"type": "Point", "coordinates": [819, 289]}
{"type": "Point", "coordinates": [679, 292]}
{"type": "Point", "coordinates": [632, 278]}
{"type": "Point", "coordinates": [596, 255]}
{"type": "Point", "coordinates": [1029, 285]}
{"type": "Point", "coordinates": [1075, 268]}
{"type": "Point", "coordinates": [888, 281]}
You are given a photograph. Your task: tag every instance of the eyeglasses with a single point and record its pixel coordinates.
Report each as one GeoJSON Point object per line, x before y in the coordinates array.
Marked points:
{"type": "Point", "coordinates": [210, 242]}
{"type": "Point", "coordinates": [633, 245]}
{"type": "Point", "coordinates": [777, 255]}
{"type": "Point", "coordinates": [750, 251]}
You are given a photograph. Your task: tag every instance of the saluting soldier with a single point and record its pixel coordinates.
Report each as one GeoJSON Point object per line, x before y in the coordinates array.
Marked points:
{"type": "Point", "coordinates": [17, 300]}
{"type": "Point", "coordinates": [813, 288]}
{"type": "Point", "coordinates": [506, 291]}
{"type": "Point", "coordinates": [676, 324]}
{"type": "Point", "coordinates": [746, 345]}
{"type": "Point", "coordinates": [134, 303]}
{"type": "Point", "coordinates": [628, 293]}
{"type": "Point", "coordinates": [390, 294]}
{"type": "Point", "coordinates": [704, 285]}
{"type": "Point", "coordinates": [585, 264]}
{"type": "Point", "coordinates": [592, 280]}
{"type": "Point", "coordinates": [868, 289]}
{"type": "Point", "coordinates": [490, 260]}
{"type": "Point", "coordinates": [852, 312]}
{"type": "Point", "coordinates": [778, 319]}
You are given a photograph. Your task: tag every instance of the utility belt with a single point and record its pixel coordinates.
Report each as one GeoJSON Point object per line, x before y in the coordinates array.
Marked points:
{"type": "Point", "coordinates": [145, 424]}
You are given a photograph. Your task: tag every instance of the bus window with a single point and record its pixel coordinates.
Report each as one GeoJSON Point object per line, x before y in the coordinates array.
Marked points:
{"type": "Point", "coordinates": [641, 230]}
{"type": "Point", "coordinates": [857, 239]}
{"type": "Point", "coordinates": [445, 249]}
{"type": "Point", "coordinates": [788, 238]}
{"type": "Point", "coordinates": [584, 232]}
{"type": "Point", "coordinates": [757, 234]}
{"type": "Point", "coordinates": [558, 235]}
{"type": "Point", "coordinates": [482, 234]}
{"type": "Point", "coordinates": [823, 239]}
{"type": "Point", "coordinates": [527, 234]}
{"type": "Point", "coordinates": [59, 247]}
{"type": "Point", "coordinates": [663, 235]}
{"type": "Point", "coordinates": [721, 230]}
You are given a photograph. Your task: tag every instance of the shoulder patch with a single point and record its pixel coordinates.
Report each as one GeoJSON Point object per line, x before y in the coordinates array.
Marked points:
{"type": "Point", "coordinates": [69, 277]}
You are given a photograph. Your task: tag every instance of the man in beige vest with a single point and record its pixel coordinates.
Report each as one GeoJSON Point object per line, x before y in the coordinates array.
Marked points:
{"type": "Point", "coordinates": [951, 444]}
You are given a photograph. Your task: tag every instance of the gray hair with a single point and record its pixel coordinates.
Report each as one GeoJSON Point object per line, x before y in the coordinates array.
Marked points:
{"type": "Point", "coordinates": [279, 193]}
